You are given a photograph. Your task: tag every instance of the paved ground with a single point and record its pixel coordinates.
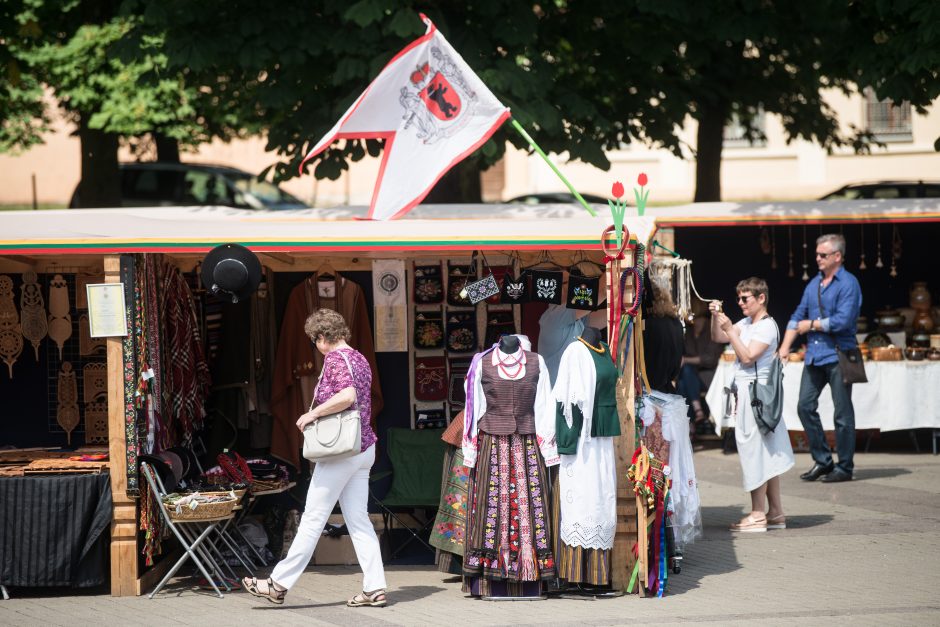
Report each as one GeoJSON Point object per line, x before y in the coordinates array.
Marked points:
{"type": "Point", "coordinates": [860, 553]}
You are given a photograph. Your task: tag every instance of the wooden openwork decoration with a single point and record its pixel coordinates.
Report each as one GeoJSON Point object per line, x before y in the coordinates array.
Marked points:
{"type": "Point", "coordinates": [11, 335]}
{"type": "Point", "coordinates": [94, 382]}
{"type": "Point", "coordinates": [67, 412]}
{"type": "Point", "coordinates": [33, 311]}
{"type": "Point", "coordinates": [60, 320]}
{"type": "Point", "coordinates": [88, 345]}
{"type": "Point", "coordinates": [96, 423]}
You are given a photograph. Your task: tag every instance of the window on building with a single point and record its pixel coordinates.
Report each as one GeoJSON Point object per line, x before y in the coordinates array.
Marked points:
{"type": "Point", "coordinates": [736, 131]}
{"type": "Point", "coordinates": [887, 121]}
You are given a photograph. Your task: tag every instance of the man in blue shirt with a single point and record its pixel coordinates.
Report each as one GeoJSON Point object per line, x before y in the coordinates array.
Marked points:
{"type": "Point", "coordinates": [826, 315]}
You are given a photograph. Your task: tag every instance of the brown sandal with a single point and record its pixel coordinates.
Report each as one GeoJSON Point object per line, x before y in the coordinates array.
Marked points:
{"type": "Point", "coordinates": [372, 599]}
{"type": "Point", "coordinates": [273, 594]}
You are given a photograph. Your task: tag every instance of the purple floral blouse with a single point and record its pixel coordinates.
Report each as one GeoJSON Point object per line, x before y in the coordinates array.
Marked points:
{"type": "Point", "coordinates": [336, 377]}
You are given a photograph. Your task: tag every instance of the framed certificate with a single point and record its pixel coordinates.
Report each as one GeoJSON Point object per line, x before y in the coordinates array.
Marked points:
{"type": "Point", "coordinates": [106, 315]}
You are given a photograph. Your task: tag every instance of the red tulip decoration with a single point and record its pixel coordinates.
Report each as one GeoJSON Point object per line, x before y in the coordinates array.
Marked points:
{"type": "Point", "coordinates": [641, 194]}
{"type": "Point", "coordinates": [618, 208]}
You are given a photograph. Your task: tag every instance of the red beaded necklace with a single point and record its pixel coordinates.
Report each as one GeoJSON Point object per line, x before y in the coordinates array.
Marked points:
{"type": "Point", "coordinates": [504, 365]}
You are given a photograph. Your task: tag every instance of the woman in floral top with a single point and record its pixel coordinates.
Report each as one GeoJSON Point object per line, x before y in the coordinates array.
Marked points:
{"type": "Point", "coordinates": [346, 380]}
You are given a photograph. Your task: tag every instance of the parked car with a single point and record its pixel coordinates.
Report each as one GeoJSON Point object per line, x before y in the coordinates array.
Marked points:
{"type": "Point", "coordinates": [555, 198]}
{"type": "Point", "coordinates": [886, 189]}
{"type": "Point", "coordinates": [159, 184]}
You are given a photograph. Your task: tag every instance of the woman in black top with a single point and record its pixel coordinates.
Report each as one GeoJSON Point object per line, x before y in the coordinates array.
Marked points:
{"type": "Point", "coordinates": [662, 340]}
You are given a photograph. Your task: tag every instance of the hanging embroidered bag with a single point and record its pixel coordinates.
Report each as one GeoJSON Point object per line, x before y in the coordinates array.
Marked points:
{"type": "Point", "coordinates": [428, 284]}
{"type": "Point", "coordinates": [430, 379]}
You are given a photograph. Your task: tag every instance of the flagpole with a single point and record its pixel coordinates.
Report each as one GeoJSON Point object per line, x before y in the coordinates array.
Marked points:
{"type": "Point", "coordinates": [535, 147]}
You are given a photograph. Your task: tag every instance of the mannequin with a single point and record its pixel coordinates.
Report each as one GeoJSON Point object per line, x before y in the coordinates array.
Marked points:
{"type": "Point", "coordinates": [509, 344]}
{"type": "Point", "coordinates": [592, 335]}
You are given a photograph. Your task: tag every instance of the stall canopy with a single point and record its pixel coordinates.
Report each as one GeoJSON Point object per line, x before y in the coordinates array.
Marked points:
{"type": "Point", "coordinates": [199, 229]}
{"type": "Point", "coordinates": [809, 212]}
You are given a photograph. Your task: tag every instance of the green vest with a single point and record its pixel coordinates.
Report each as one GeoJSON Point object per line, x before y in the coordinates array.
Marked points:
{"type": "Point", "coordinates": [606, 421]}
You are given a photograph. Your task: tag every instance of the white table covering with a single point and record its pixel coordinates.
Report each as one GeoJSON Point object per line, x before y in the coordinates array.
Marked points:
{"type": "Point", "coordinates": [898, 395]}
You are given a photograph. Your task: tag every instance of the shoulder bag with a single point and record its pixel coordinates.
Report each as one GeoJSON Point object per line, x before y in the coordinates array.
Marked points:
{"type": "Point", "coordinates": [767, 398]}
{"type": "Point", "coordinates": [851, 363]}
{"type": "Point", "coordinates": [336, 435]}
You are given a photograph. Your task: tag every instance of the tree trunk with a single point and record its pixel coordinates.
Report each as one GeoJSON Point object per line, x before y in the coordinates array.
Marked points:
{"type": "Point", "coordinates": [460, 184]}
{"type": "Point", "coordinates": [168, 150]}
{"type": "Point", "coordinates": [709, 139]}
{"type": "Point", "coordinates": [101, 182]}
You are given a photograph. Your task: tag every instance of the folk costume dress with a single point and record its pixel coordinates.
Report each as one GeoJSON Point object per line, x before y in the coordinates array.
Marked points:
{"type": "Point", "coordinates": [450, 524]}
{"type": "Point", "coordinates": [509, 438]}
{"type": "Point", "coordinates": [586, 498]}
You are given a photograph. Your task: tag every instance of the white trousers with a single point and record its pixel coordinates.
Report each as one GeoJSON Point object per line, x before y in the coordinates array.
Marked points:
{"type": "Point", "coordinates": [346, 480]}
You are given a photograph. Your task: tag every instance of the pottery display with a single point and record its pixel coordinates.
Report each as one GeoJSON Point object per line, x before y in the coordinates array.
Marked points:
{"type": "Point", "coordinates": [861, 324]}
{"type": "Point", "coordinates": [920, 339]}
{"type": "Point", "coordinates": [876, 339]}
{"type": "Point", "coordinates": [889, 320]}
{"type": "Point", "coordinates": [920, 296]}
{"type": "Point", "coordinates": [935, 341]}
{"type": "Point", "coordinates": [886, 353]}
{"type": "Point", "coordinates": [933, 354]}
{"type": "Point", "coordinates": [922, 322]}
{"type": "Point", "coordinates": [915, 353]}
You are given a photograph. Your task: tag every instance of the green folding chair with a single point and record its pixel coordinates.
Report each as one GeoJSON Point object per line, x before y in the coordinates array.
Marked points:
{"type": "Point", "coordinates": [417, 456]}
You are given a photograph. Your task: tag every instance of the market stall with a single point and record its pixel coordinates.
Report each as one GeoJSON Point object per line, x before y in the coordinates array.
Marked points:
{"type": "Point", "coordinates": [106, 244]}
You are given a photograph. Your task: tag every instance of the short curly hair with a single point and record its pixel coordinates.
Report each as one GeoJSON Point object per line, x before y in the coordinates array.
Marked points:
{"type": "Point", "coordinates": [756, 286]}
{"type": "Point", "coordinates": [328, 323]}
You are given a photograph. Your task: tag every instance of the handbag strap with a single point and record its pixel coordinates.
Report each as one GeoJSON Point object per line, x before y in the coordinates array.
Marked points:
{"type": "Point", "coordinates": [777, 329]}
{"type": "Point", "coordinates": [351, 376]}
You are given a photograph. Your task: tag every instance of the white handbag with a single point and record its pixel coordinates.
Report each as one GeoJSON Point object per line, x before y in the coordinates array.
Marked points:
{"type": "Point", "coordinates": [336, 435]}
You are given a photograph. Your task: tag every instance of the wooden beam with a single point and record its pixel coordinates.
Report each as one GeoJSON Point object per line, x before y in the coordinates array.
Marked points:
{"type": "Point", "coordinates": [124, 517]}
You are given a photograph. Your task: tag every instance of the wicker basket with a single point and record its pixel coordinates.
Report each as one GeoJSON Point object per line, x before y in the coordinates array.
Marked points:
{"type": "Point", "coordinates": [203, 511]}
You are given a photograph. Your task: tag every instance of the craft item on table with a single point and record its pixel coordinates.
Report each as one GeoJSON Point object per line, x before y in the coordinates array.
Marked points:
{"type": "Point", "coordinates": [430, 379]}
{"type": "Point", "coordinates": [11, 335]}
{"type": "Point", "coordinates": [428, 284]}
{"type": "Point", "coordinates": [498, 324]}
{"type": "Point", "coordinates": [458, 367]}
{"type": "Point", "coordinates": [461, 331]}
{"type": "Point", "coordinates": [546, 286]}
{"type": "Point", "coordinates": [583, 292]}
{"type": "Point", "coordinates": [515, 289]}
{"type": "Point", "coordinates": [88, 345]}
{"type": "Point", "coordinates": [97, 457]}
{"type": "Point", "coordinates": [60, 321]}
{"type": "Point", "coordinates": [33, 311]}
{"type": "Point", "coordinates": [458, 275]}
{"type": "Point", "coordinates": [67, 402]}
{"type": "Point", "coordinates": [81, 294]}
{"type": "Point", "coordinates": [429, 328]}
{"type": "Point", "coordinates": [430, 418]}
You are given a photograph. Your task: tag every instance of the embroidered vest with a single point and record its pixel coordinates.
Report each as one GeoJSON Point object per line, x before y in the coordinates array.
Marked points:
{"type": "Point", "coordinates": [510, 405]}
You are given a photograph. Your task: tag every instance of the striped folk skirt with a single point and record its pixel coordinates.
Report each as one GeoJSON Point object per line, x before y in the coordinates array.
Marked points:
{"type": "Point", "coordinates": [508, 524]}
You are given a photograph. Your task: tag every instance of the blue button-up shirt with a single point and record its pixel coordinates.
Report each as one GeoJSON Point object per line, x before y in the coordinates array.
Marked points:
{"type": "Point", "coordinates": [841, 303]}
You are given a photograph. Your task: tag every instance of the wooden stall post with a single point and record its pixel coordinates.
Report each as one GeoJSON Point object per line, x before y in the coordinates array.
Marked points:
{"type": "Point", "coordinates": [622, 559]}
{"type": "Point", "coordinates": [124, 516]}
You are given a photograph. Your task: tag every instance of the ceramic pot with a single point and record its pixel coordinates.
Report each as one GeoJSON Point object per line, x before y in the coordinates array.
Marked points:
{"type": "Point", "coordinates": [933, 354]}
{"type": "Point", "coordinates": [921, 340]}
{"type": "Point", "coordinates": [922, 323]}
{"type": "Point", "coordinates": [861, 325]}
{"type": "Point", "coordinates": [920, 296]}
{"type": "Point", "coordinates": [889, 320]}
{"type": "Point", "coordinates": [915, 353]}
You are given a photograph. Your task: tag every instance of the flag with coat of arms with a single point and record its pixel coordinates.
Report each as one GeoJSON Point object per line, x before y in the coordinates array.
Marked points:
{"type": "Point", "coordinates": [431, 110]}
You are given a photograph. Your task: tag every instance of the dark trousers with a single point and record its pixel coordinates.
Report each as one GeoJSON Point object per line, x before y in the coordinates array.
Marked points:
{"type": "Point", "coordinates": [815, 378]}
{"type": "Point", "coordinates": [690, 384]}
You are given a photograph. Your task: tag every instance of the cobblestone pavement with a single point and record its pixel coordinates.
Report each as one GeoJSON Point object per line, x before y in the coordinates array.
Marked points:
{"type": "Point", "coordinates": [859, 553]}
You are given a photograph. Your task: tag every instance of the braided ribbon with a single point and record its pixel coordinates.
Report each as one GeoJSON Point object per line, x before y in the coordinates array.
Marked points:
{"type": "Point", "coordinates": [611, 255]}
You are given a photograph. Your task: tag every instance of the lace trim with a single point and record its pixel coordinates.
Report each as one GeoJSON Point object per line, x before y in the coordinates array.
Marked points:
{"type": "Point", "coordinates": [589, 535]}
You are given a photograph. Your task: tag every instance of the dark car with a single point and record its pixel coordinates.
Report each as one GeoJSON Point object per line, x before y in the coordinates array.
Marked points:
{"type": "Point", "coordinates": [555, 198]}
{"type": "Point", "coordinates": [886, 189]}
{"type": "Point", "coordinates": [158, 184]}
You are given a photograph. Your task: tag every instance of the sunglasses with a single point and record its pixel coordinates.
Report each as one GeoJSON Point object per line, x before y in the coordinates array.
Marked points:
{"type": "Point", "coordinates": [824, 255]}
{"type": "Point", "coordinates": [743, 299]}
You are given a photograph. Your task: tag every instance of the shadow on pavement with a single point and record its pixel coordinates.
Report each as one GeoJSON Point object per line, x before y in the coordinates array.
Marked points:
{"type": "Point", "coordinates": [861, 474]}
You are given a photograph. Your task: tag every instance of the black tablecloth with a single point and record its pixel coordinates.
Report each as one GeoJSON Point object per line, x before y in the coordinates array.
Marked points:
{"type": "Point", "coordinates": [53, 530]}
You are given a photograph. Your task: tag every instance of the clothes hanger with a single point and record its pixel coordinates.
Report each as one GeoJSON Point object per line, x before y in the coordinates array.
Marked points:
{"type": "Point", "coordinates": [545, 259]}
{"type": "Point", "coordinates": [581, 259]}
{"type": "Point", "coordinates": [326, 272]}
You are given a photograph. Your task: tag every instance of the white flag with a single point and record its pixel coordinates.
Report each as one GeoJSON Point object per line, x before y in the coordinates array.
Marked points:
{"type": "Point", "coordinates": [432, 111]}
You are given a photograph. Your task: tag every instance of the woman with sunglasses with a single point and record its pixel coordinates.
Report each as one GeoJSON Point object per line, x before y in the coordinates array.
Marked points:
{"type": "Point", "coordinates": [764, 458]}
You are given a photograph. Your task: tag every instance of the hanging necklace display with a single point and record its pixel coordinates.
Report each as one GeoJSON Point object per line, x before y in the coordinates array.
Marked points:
{"type": "Point", "coordinates": [773, 248]}
{"type": "Point", "coordinates": [32, 311]}
{"type": "Point", "coordinates": [504, 365]}
{"type": "Point", "coordinates": [11, 336]}
{"type": "Point", "coordinates": [805, 265]}
{"type": "Point", "coordinates": [895, 249]}
{"type": "Point", "coordinates": [790, 272]}
{"type": "Point", "coordinates": [861, 261]}
{"type": "Point", "coordinates": [60, 322]}
{"type": "Point", "coordinates": [67, 410]}
{"type": "Point", "coordinates": [878, 262]}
